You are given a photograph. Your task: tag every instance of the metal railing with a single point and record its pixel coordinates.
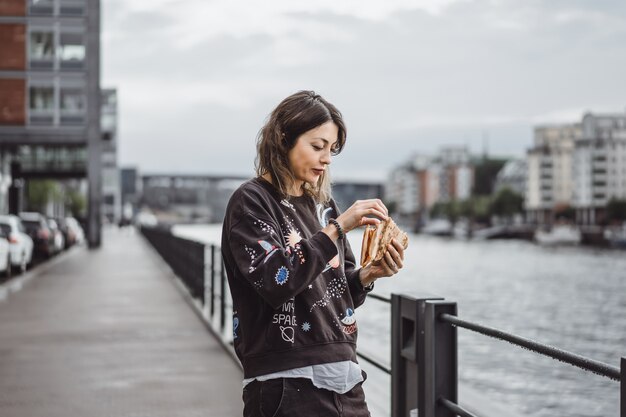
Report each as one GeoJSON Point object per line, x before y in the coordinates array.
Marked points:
{"type": "Point", "coordinates": [424, 346]}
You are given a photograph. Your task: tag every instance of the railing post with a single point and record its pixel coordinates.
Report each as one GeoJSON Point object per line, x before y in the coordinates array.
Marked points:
{"type": "Point", "coordinates": [201, 272]}
{"type": "Point", "coordinates": [440, 360]}
{"type": "Point", "coordinates": [212, 280]}
{"type": "Point", "coordinates": [623, 389]}
{"type": "Point", "coordinates": [407, 353]}
{"type": "Point", "coordinates": [222, 297]}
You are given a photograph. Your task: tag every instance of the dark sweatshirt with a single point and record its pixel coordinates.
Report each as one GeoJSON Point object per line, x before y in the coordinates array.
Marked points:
{"type": "Point", "coordinates": [294, 290]}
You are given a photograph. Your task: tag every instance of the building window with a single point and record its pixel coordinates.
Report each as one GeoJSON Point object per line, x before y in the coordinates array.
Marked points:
{"type": "Point", "coordinates": [73, 106]}
{"type": "Point", "coordinates": [72, 100]}
{"type": "Point", "coordinates": [42, 99]}
{"type": "Point", "coordinates": [72, 7]}
{"type": "Point", "coordinates": [71, 51]}
{"type": "Point", "coordinates": [41, 105]}
{"type": "Point", "coordinates": [41, 7]}
{"type": "Point", "coordinates": [41, 51]}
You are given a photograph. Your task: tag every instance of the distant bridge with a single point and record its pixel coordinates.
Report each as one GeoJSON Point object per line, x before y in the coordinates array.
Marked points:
{"type": "Point", "coordinates": [203, 198]}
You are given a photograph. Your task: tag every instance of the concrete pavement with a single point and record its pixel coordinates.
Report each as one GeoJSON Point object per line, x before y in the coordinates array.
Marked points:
{"type": "Point", "coordinates": [107, 333]}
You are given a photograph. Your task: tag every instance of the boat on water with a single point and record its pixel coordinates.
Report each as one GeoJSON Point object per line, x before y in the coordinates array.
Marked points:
{"type": "Point", "coordinates": [559, 235]}
{"type": "Point", "coordinates": [616, 236]}
{"type": "Point", "coordinates": [438, 227]}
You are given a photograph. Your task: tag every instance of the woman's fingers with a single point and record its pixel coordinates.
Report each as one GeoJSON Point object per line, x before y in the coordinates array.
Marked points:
{"type": "Point", "coordinates": [398, 248]}
{"type": "Point", "coordinates": [376, 212]}
{"type": "Point", "coordinates": [395, 256]}
{"type": "Point", "coordinates": [391, 265]}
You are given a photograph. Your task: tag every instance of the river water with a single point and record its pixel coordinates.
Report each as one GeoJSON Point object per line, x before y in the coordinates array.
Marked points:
{"type": "Point", "coordinates": [573, 298]}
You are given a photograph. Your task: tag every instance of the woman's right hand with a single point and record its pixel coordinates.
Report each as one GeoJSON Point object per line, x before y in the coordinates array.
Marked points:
{"type": "Point", "coordinates": [357, 214]}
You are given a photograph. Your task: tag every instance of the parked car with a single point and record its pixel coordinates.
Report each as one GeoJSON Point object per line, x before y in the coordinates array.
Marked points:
{"type": "Point", "coordinates": [59, 240]}
{"type": "Point", "coordinates": [21, 245]}
{"type": "Point", "coordinates": [69, 237]}
{"type": "Point", "coordinates": [75, 227]}
{"type": "Point", "coordinates": [38, 229]}
{"type": "Point", "coordinates": [5, 254]}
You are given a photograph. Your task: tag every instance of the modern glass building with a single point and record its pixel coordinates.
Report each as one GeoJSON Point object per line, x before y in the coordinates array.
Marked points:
{"type": "Point", "coordinates": [50, 112]}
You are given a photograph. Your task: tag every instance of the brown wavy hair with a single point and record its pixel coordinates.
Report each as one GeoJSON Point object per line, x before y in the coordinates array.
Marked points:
{"type": "Point", "coordinates": [295, 115]}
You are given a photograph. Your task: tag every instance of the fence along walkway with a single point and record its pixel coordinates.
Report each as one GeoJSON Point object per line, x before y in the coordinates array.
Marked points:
{"type": "Point", "coordinates": [105, 333]}
{"type": "Point", "coordinates": [423, 373]}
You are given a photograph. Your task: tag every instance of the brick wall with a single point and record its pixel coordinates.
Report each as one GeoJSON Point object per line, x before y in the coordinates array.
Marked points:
{"type": "Point", "coordinates": [12, 102]}
{"type": "Point", "coordinates": [13, 41]}
{"type": "Point", "coordinates": [12, 7]}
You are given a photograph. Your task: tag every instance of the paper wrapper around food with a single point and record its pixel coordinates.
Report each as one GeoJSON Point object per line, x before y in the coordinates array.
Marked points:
{"type": "Point", "coordinates": [377, 238]}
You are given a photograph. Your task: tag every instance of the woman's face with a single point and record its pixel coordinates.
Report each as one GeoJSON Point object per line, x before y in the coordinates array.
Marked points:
{"type": "Point", "coordinates": [311, 154]}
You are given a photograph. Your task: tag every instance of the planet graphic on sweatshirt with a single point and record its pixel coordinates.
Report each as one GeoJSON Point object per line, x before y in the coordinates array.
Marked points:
{"type": "Point", "coordinates": [349, 322]}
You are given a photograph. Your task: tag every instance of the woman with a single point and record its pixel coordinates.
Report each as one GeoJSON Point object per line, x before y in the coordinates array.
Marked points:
{"type": "Point", "coordinates": [291, 271]}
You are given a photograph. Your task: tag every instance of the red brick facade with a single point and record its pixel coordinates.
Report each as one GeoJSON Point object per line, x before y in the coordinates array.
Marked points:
{"type": "Point", "coordinates": [12, 102]}
{"type": "Point", "coordinates": [13, 51]}
{"type": "Point", "coordinates": [13, 8]}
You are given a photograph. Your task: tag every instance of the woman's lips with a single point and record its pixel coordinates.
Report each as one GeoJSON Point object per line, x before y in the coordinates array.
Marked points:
{"type": "Point", "coordinates": [318, 171]}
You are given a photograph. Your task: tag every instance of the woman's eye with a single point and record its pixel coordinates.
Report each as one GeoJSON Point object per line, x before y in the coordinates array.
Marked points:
{"type": "Point", "coordinates": [317, 148]}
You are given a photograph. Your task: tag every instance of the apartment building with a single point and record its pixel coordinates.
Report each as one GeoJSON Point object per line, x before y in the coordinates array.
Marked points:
{"type": "Point", "coordinates": [111, 181]}
{"type": "Point", "coordinates": [599, 172]}
{"type": "Point", "coordinates": [50, 97]}
{"type": "Point", "coordinates": [456, 175]}
{"type": "Point", "coordinates": [417, 185]}
{"type": "Point", "coordinates": [550, 185]}
{"type": "Point", "coordinates": [513, 176]}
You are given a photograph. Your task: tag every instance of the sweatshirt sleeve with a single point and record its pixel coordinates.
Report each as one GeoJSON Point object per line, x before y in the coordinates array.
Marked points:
{"type": "Point", "coordinates": [278, 271]}
{"type": "Point", "coordinates": [357, 291]}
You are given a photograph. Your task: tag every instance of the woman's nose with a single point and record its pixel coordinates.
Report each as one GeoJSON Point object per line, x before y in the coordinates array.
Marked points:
{"type": "Point", "coordinates": [326, 158]}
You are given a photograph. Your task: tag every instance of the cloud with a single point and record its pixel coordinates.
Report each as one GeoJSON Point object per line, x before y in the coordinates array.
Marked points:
{"type": "Point", "coordinates": [197, 78]}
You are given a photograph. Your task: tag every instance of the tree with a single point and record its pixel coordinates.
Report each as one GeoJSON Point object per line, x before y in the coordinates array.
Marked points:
{"type": "Point", "coordinates": [485, 173]}
{"type": "Point", "coordinates": [450, 210]}
{"type": "Point", "coordinates": [75, 203]}
{"type": "Point", "coordinates": [40, 193]}
{"type": "Point", "coordinates": [506, 203]}
{"type": "Point", "coordinates": [476, 208]}
{"type": "Point", "coordinates": [616, 210]}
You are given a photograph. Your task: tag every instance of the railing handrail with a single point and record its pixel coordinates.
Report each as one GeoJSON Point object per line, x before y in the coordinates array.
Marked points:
{"type": "Point", "coordinates": [574, 359]}
{"type": "Point", "coordinates": [441, 311]}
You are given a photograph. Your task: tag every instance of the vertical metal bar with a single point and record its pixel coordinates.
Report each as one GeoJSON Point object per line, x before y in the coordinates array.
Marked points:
{"type": "Point", "coordinates": [398, 380]}
{"type": "Point", "coordinates": [212, 280]}
{"type": "Point", "coordinates": [407, 380]}
{"type": "Point", "coordinates": [440, 365]}
{"type": "Point", "coordinates": [623, 389]}
{"type": "Point", "coordinates": [202, 272]}
{"type": "Point", "coordinates": [222, 297]}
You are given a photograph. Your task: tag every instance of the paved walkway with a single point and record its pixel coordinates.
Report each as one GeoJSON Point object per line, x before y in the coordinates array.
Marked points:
{"type": "Point", "coordinates": [107, 333]}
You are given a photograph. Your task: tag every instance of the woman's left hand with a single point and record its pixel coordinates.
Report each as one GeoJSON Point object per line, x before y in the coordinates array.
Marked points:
{"type": "Point", "coordinates": [389, 265]}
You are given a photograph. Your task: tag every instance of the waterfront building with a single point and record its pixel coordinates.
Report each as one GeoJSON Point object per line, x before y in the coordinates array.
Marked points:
{"type": "Point", "coordinates": [413, 188]}
{"type": "Point", "coordinates": [111, 183]}
{"type": "Point", "coordinates": [599, 172]}
{"type": "Point", "coordinates": [50, 98]}
{"type": "Point", "coordinates": [549, 188]}
{"type": "Point", "coordinates": [513, 176]}
{"type": "Point", "coordinates": [417, 185]}
{"type": "Point", "coordinates": [456, 176]}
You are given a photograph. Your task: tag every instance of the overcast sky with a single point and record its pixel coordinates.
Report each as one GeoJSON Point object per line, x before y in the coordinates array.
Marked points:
{"type": "Point", "coordinates": [197, 78]}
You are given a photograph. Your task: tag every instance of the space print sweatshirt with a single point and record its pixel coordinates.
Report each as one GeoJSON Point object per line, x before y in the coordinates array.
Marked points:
{"type": "Point", "coordinates": [294, 290]}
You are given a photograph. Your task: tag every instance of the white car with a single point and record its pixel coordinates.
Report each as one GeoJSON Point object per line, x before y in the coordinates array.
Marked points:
{"type": "Point", "coordinates": [59, 240]}
{"type": "Point", "coordinates": [21, 245]}
{"type": "Point", "coordinates": [5, 253]}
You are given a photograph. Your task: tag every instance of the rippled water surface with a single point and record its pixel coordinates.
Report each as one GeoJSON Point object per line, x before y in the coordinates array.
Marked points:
{"type": "Point", "coordinates": [572, 298]}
